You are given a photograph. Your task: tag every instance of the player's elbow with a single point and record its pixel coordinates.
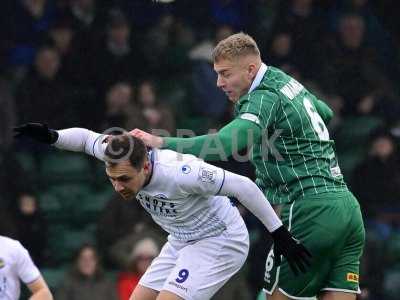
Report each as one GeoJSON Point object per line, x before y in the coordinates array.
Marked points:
{"type": "Point", "coordinates": [245, 184]}
{"type": "Point", "coordinates": [40, 290]}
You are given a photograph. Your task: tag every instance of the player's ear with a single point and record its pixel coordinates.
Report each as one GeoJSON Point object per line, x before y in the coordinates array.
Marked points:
{"type": "Point", "coordinates": [146, 166]}
{"type": "Point", "coordinates": [252, 70]}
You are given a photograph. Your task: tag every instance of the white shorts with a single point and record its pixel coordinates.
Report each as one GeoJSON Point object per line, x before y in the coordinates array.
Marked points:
{"type": "Point", "coordinates": [197, 270]}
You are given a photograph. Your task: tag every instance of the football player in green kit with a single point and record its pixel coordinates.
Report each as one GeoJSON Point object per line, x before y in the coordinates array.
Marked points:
{"type": "Point", "coordinates": [301, 175]}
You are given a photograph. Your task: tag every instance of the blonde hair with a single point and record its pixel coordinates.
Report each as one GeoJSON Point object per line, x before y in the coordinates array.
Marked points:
{"type": "Point", "coordinates": [234, 46]}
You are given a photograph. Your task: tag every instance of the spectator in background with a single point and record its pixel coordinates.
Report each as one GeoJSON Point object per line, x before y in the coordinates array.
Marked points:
{"type": "Point", "coordinates": [61, 37]}
{"type": "Point", "coordinates": [376, 181]}
{"type": "Point", "coordinates": [231, 12]}
{"type": "Point", "coordinates": [31, 227]}
{"type": "Point", "coordinates": [374, 31]}
{"type": "Point", "coordinates": [61, 34]}
{"type": "Point", "coordinates": [120, 110]}
{"type": "Point", "coordinates": [280, 48]}
{"type": "Point", "coordinates": [280, 53]}
{"type": "Point", "coordinates": [169, 40]}
{"type": "Point", "coordinates": [157, 114]}
{"type": "Point", "coordinates": [377, 184]}
{"type": "Point", "coordinates": [121, 251]}
{"type": "Point", "coordinates": [263, 14]}
{"type": "Point", "coordinates": [43, 95]}
{"type": "Point", "coordinates": [87, 20]}
{"type": "Point", "coordinates": [83, 13]}
{"type": "Point", "coordinates": [119, 219]}
{"type": "Point", "coordinates": [10, 188]}
{"type": "Point", "coordinates": [143, 253]}
{"type": "Point", "coordinates": [158, 39]}
{"type": "Point", "coordinates": [352, 70]}
{"type": "Point", "coordinates": [385, 11]}
{"type": "Point", "coordinates": [27, 23]}
{"type": "Point", "coordinates": [7, 226]}
{"type": "Point", "coordinates": [116, 59]}
{"type": "Point", "coordinates": [176, 61]}
{"type": "Point", "coordinates": [7, 115]}
{"type": "Point", "coordinates": [86, 280]}
{"type": "Point", "coordinates": [208, 99]}
{"type": "Point", "coordinates": [307, 26]}
{"type": "Point", "coordinates": [75, 71]}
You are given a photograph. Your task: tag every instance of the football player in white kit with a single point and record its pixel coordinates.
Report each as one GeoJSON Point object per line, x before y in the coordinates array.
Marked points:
{"type": "Point", "coordinates": [208, 241]}
{"type": "Point", "coordinates": [16, 265]}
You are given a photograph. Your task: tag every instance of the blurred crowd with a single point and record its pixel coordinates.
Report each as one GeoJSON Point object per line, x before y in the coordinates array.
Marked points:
{"type": "Point", "coordinates": [147, 64]}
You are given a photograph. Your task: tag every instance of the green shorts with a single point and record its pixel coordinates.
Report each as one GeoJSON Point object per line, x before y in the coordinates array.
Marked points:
{"type": "Point", "coordinates": [330, 225]}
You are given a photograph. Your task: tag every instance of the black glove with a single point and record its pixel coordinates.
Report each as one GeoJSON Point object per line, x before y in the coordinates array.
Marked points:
{"type": "Point", "coordinates": [295, 253]}
{"type": "Point", "coordinates": [37, 131]}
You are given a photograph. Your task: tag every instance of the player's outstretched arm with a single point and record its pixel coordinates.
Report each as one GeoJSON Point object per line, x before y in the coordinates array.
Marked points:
{"type": "Point", "coordinates": [39, 290]}
{"type": "Point", "coordinates": [247, 192]}
{"type": "Point", "coordinates": [72, 139]}
{"type": "Point", "coordinates": [233, 137]}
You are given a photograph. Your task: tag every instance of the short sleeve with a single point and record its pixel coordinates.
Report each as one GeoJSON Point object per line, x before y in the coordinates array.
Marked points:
{"type": "Point", "coordinates": [259, 107]}
{"type": "Point", "coordinates": [26, 269]}
{"type": "Point", "coordinates": [198, 177]}
{"type": "Point", "coordinates": [323, 110]}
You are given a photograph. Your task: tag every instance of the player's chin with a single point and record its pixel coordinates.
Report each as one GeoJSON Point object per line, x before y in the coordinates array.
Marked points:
{"type": "Point", "coordinates": [127, 196]}
{"type": "Point", "coordinates": [233, 98]}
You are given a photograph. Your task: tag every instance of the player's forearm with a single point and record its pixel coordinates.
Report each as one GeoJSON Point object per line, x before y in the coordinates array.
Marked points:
{"type": "Point", "coordinates": [195, 146]}
{"type": "Point", "coordinates": [43, 294]}
{"type": "Point", "coordinates": [39, 290]}
{"type": "Point", "coordinates": [81, 140]}
{"type": "Point", "coordinates": [247, 192]}
{"type": "Point", "coordinates": [230, 139]}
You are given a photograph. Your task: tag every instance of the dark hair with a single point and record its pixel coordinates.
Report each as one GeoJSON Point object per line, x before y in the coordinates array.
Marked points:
{"type": "Point", "coordinates": [117, 19]}
{"type": "Point", "coordinates": [99, 272]}
{"type": "Point", "coordinates": [86, 245]}
{"type": "Point", "coordinates": [126, 147]}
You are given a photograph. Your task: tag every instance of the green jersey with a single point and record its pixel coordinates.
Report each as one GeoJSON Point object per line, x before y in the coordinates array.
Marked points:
{"type": "Point", "coordinates": [295, 156]}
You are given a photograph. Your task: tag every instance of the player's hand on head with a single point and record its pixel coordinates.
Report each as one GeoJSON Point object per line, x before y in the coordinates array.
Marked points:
{"type": "Point", "coordinates": [37, 131]}
{"type": "Point", "coordinates": [149, 139]}
{"type": "Point", "coordinates": [297, 256]}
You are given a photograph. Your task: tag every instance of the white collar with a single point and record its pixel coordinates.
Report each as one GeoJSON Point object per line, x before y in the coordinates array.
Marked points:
{"type": "Point", "coordinates": [257, 80]}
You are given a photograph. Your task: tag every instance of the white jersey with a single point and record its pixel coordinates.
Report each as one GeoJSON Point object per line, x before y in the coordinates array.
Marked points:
{"type": "Point", "coordinates": [15, 265]}
{"type": "Point", "coordinates": [181, 196]}
{"type": "Point", "coordinates": [182, 193]}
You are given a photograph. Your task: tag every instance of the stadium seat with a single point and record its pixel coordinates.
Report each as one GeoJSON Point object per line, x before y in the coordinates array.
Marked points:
{"type": "Point", "coordinates": [349, 160]}
{"type": "Point", "coordinates": [27, 161]}
{"type": "Point", "coordinates": [98, 173]}
{"type": "Point", "coordinates": [63, 202]}
{"type": "Point", "coordinates": [355, 131]}
{"type": "Point", "coordinates": [64, 241]}
{"type": "Point", "coordinates": [53, 276]}
{"type": "Point", "coordinates": [392, 253]}
{"type": "Point", "coordinates": [88, 209]}
{"type": "Point", "coordinates": [52, 207]}
{"type": "Point", "coordinates": [351, 140]}
{"type": "Point", "coordinates": [65, 167]}
{"type": "Point", "coordinates": [391, 283]}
